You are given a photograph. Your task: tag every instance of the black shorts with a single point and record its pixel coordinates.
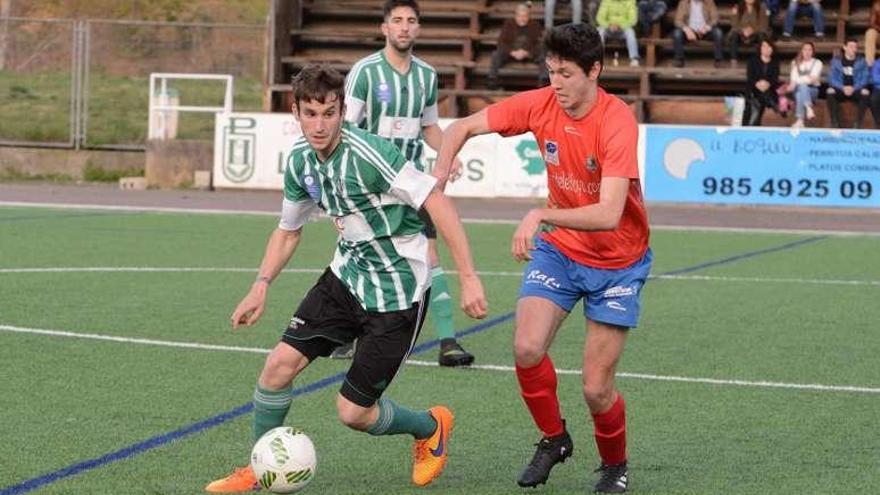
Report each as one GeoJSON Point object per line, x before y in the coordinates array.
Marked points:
{"type": "Point", "coordinates": [330, 316]}
{"type": "Point", "coordinates": [430, 231]}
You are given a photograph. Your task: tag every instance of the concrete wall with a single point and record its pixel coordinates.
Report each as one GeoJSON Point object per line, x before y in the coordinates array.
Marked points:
{"type": "Point", "coordinates": [43, 161]}
{"type": "Point", "coordinates": [172, 163]}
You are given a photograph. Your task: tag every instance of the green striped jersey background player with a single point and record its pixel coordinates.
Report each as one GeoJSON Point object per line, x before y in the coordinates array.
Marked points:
{"type": "Point", "coordinates": [392, 105]}
{"type": "Point", "coordinates": [372, 193]}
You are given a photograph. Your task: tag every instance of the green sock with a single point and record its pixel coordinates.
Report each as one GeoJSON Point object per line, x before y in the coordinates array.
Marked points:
{"type": "Point", "coordinates": [441, 304]}
{"type": "Point", "coordinates": [270, 408]}
{"type": "Point", "coordinates": [394, 420]}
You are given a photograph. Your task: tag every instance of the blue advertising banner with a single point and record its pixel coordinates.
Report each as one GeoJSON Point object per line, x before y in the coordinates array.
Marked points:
{"type": "Point", "coordinates": [762, 166]}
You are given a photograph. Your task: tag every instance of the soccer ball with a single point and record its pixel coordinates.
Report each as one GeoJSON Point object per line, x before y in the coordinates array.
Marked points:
{"type": "Point", "coordinates": [284, 460]}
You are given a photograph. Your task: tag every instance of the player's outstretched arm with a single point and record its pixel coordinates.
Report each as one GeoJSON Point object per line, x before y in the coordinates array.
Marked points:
{"type": "Point", "coordinates": [445, 217]}
{"type": "Point", "coordinates": [280, 247]}
{"type": "Point", "coordinates": [434, 138]}
{"type": "Point", "coordinates": [454, 138]}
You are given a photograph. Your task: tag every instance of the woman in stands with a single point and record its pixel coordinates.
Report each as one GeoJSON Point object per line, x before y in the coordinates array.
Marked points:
{"type": "Point", "coordinates": [804, 82]}
{"type": "Point", "coordinates": [762, 76]}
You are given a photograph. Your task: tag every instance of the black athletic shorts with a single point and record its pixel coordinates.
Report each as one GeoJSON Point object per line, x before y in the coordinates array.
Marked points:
{"type": "Point", "coordinates": [330, 316]}
{"type": "Point", "coordinates": [430, 231]}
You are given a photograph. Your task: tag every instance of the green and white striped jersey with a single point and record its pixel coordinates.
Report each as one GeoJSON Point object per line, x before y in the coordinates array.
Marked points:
{"type": "Point", "coordinates": [392, 105]}
{"type": "Point", "coordinates": [372, 193]}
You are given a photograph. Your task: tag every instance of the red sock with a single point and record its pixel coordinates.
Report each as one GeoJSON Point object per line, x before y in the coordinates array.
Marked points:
{"type": "Point", "coordinates": [609, 428]}
{"type": "Point", "coordinates": [538, 389]}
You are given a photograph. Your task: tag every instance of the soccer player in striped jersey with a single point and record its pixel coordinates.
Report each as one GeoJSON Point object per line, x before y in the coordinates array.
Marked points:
{"type": "Point", "coordinates": [595, 246]}
{"type": "Point", "coordinates": [393, 94]}
{"type": "Point", "coordinates": [376, 286]}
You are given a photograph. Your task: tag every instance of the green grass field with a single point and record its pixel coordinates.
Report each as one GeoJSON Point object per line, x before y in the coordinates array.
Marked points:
{"type": "Point", "coordinates": [36, 107]}
{"type": "Point", "coordinates": [767, 314]}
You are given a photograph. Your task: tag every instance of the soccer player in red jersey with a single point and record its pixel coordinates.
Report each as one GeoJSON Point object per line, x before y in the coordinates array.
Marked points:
{"type": "Point", "coordinates": [594, 245]}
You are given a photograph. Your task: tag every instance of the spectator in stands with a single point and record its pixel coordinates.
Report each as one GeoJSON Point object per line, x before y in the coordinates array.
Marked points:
{"type": "Point", "coordinates": [520, 40]}
{"type": "Point", "coordinates": [617, 18]}
{"type": "Point", "coordinates": [695, 20]}
{"type": "Point", "coordinates": [804, 8]}
{"type": "Point", "coordinates": [577, 8]}
{"type": "Point", "coordinates": [849, 80]}
{"type": "Point", "coordinates": [772, 7]}
{"type": "Point", "coordinates": [651, 11]}
{"type": "Point", "coordinates": [875, 93]}
{"type": "Point", "coordinates": [749, 26]}
{"type": "Point", "coordinates": [871, 34]}
{"type": "Point", "coordinates": [804, 81]}
{"type": "Point", "coordinates": [762, 75]}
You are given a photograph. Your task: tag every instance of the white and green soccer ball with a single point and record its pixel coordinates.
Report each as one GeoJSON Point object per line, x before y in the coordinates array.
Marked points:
{"type": "Point", "coordinates": [284, 460]}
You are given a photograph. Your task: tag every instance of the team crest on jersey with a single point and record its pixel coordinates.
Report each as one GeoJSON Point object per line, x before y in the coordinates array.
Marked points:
{"type": "Point", "coordinates": [383, 93]}
{"type": "Point", "coordinates": [313, 188]}
{"type": "Point", "coordinates": [551, 152]}
{"type": "Point", "coordinates": [591, 163]}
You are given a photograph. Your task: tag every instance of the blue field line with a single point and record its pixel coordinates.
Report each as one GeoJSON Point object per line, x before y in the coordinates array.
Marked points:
{"type": "Point", "coordinates": [743, 256]}
{"type": "Point", "coordinates": [158, 441]}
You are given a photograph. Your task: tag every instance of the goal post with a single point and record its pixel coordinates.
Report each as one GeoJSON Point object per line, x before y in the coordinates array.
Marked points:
{"type": "Point", "coordinates": [164, 105]}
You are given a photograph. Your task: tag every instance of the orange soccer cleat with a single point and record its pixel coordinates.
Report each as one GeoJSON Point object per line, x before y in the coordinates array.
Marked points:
{"type": "Point", "coordinates": [242, 480]}
{"type": "Point", "coordinates": [430, 454]}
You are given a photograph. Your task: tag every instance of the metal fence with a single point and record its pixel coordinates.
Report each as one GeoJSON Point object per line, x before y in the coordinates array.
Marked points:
{"type": "Point", "coordinates": [85, 83]}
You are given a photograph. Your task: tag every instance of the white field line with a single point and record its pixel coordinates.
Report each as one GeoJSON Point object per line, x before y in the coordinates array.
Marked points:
{"type": "Point", "coordinates": [159, 269]}
{"type": "Point", "coordinates": [481, 367]}
{"type": "Point", "coordinates": [211, 211]}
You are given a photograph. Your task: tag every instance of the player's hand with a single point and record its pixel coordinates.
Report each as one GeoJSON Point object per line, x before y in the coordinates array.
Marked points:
{"type": "Point", "coordinates": [455, 170]}
{"type": "Point", "coordinates": [523, 239]}
{"type": "Point", "coordinates": [250, 309]}
{"type": "Point", "coordinates": [690, 34]}
{"type": "Point", "coordinates": [473, 298]}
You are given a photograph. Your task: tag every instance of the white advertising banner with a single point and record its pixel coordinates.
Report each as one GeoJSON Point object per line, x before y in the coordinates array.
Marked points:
{"type": "Point", "coordinates": [250, 151]}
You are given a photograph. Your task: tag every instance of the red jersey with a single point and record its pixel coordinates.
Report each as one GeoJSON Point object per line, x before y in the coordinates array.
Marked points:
{"type": "Point", "coordinates": [577, 154]}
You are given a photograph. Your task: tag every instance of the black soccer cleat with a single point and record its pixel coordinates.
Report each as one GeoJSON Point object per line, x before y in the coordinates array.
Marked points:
{"type": "Point", "coordinates": [452, 354]}
{"type": "Point", "coordinates": [551, 451]}
{"type": "Point", "coordinates": [612, 479]}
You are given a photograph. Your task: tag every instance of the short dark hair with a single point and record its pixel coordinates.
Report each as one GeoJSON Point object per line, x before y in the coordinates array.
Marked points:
{"type": "Point", "coordinates": [578, 43]}
{"type": "Point", "coordinates": [317, 82]}
{"type": "Point", "coordinates": [850, 39]}
{"type": "Point", "coordinates": [393, 4]}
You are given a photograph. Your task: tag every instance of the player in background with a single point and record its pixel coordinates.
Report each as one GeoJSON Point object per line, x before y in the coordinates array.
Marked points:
{"type": "Point", "coordinates": [393, 94]}
{"type": "Point", "coordinates": [594, 247]}
{"type": "Point", "coordinates": [376, 286]}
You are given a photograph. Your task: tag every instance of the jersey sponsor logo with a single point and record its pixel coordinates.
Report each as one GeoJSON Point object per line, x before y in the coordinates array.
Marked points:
{"type": "Point", "coordinates": [539, 277]}
{"type": "Point", "coordinates": [551, 152]}
{"type": "Point", "coordinates": [591, 164]}
{"type": "Point", "coordinates": [296, 322]}
{"type": "Point", "coordinates": [313, 188]}
{"type": "Point", "coordinates": [383, 93]}
{"type": "Point", "coordinates": [568, 182]}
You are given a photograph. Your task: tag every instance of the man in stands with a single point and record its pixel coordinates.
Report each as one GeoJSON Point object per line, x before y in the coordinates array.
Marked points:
{"type": "Point", "coordinates": [393, 94]}
{"type": "Point", "coordinates": [594, 244]}
{"type": "Point", "coordinates": [696, 20]}
{"type": "Point", "coordinates": [849, 81]}
{"type": "Point", "coordinates": [520, 40]}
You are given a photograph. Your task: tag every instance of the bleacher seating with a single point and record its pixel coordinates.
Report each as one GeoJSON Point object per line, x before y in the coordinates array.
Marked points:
{"type": "Point", "coordinates": [458, 37]}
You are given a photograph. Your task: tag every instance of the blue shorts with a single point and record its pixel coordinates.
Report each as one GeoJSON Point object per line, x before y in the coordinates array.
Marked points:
{"type": "Point", "coordinates": [611, 296]}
